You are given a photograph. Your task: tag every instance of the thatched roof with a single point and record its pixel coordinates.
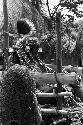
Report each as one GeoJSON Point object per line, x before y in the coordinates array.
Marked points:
{"type": "Point", "coordinates": [21, 9]}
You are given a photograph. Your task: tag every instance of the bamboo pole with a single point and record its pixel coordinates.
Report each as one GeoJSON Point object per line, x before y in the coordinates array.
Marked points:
{"type": "Point", "coordinates": [54, 94]}
{"type": "Point", "coordinates": [53, 111]}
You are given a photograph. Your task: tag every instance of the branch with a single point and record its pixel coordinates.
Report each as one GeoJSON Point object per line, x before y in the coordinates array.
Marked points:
{"type": "Point", "coordinates": [56, 8]}
{"type": "Point", "coordinates": [47, 3]}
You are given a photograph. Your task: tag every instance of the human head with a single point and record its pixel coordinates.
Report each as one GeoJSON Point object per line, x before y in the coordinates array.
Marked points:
{"type": "Point", "coordinates": [20, 100]}
{"type": "Point", "coordinates": [23, 27]}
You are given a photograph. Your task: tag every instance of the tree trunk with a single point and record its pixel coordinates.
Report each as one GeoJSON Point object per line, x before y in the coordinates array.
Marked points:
{"type": "Point", "coordinates": [35, 3]}
{"type": "Point", "coordinates": [58, 44]}
{"type": "Point", "coordinates": [59, 55]}
{"type": "Point", "coordinates": [5, 44]}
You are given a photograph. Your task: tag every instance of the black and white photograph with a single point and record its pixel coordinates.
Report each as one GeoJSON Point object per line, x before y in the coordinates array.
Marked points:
{"type": "Point", "coordinates": [41, 62]}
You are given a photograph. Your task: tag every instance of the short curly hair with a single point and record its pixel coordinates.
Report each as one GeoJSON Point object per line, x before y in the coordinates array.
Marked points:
{"type": "Point", "coordinates": [23, 27]}
{"type": "Point", "coordinates": [19, 100]}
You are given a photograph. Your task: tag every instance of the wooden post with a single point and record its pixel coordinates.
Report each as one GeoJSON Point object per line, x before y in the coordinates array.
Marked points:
{"type": "Point", "coordinates": [58, 44]}
{"type": "Point", "coordinates": [5, 44]}
{"type": "Point", "coordinates": [82, 56]}
{"type": "Point", "coordinates": [58, 56]}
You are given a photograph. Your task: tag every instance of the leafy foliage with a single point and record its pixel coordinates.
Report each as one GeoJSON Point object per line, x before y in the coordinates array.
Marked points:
{"type": "Point", "coordinates": [69, 30]}
{"type": "Point", "coordinates": [71, 5]}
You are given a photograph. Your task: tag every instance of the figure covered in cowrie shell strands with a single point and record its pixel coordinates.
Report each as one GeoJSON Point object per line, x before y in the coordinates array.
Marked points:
{"type": "Point", "coordinates": [19, 98]}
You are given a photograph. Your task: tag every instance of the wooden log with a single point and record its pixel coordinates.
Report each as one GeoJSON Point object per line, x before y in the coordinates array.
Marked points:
{"type": "Point", "coordinates": [44, 78]}
{"type": "Point", "coordinates": [66, 78]}
{"type": "Point", "coordinates": [54, 94]}
{"type": "Point", "coordinates": [50, 78]}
